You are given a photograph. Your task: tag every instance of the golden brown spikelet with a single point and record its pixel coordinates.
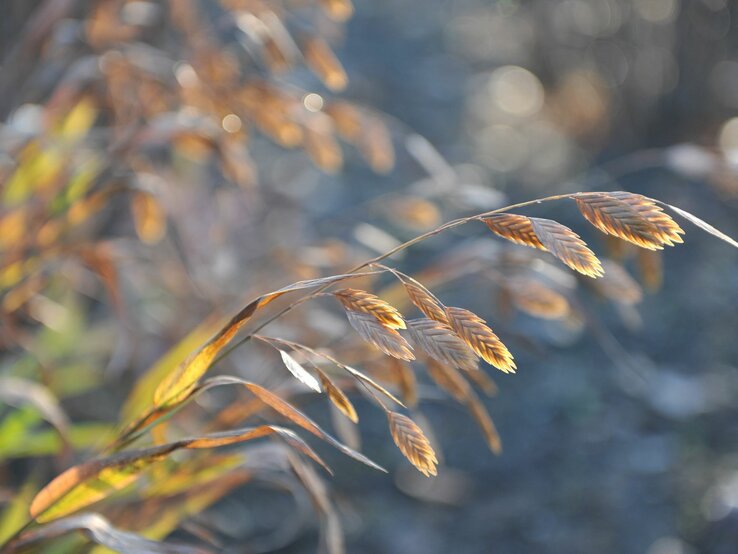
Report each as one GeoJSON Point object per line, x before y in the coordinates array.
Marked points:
{"type": "Point", "coordinates": [323, 62]}
{"type": "Point", "coordinates": [449, 379]}
{"type": "Point", "coordinates": [631, 217]}
{"type": "Point", "coordinates": [669, 230]}
{"type": "Point", "coordinates": [424, 299]}
{"type": "Point", "coordinates": [338, 397]}
{"type": "Point", "coordinates": [413, 443]}
{"type": "Point", "coordinates": [362, 301]}
{"type": "Point", "coordinates": [480, 338]}
{"type": "Point", "coordinates": [534, 298]}
{"type": "Point", "coordinates": [515, 228]}
{"type": "Point", "coordinates": [387, 340]}
{"type": "Point", "coordinates": [547, 235]}
{"type": "Point", "coordinates": [440, 342]}
{"type": "Point", "coordinates": [566, 245]}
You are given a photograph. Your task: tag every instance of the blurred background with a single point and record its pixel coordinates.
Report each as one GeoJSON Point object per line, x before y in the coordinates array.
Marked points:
{"type": "Point", "coordinates": [162, 162]}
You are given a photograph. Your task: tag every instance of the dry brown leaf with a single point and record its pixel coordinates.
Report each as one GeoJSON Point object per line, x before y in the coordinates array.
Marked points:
{"type": "Point", "coordinates": [296, 416]}
{"type": "Point", "coordinates": [413, 443]}
{"type": "Point", "coordinates": [441, 343]}
{"type": "Point", "coordinates": [387, 340]}
{"type": "Point", "coordinates": [631, 217]}
{"type": "Point", "coordinates": [92, 481]}
{"type": "Point", "coordinates": [331, 531]}
{"type": "Point", "coordinates": [361, 301]}
{"type": "Point", "coordinates": [480, 338]}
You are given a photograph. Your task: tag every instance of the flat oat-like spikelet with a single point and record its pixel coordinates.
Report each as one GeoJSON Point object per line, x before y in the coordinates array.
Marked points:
{"type": "Point", "coordinates": [362, 301]}
{"type": "Point", "coordinates": [450, 380]}
{"type": "Point", "coordinates": [566, 245]}
{"type": "Point", "coordinates": [413, 443]}
{"type": "Point", "coordinates": [338, 397]}
{"type": "Point", "coordinates": [515, 228]}
{"type": "Point", "coordinates": [441, 343]}
{"type": "Point", "coordinates": [669, 230]}
{"type": "Point", "coordinates": [424, 299]}
{"type": "Point", "coordinates": [538, 300]}
{"type": "Point", "coordinates": [387, 340]}
{"type": "Point", "coordinates": [618, 285]}
{"type": "Point", "coordinates": [547, 235]}
{"type": "Point", "coordinates": [631, 217]}
{"type": "Point", "coordinates": [480, 338]}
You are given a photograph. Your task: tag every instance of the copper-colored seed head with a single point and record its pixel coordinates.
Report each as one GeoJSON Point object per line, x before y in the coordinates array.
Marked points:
{"type": "Point", "coordinates": [481, 339]}
{"type": "Point", "coordinates": [413, 443]}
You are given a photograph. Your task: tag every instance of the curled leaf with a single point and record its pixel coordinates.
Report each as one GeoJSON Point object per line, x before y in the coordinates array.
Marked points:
{"type": "Point", "coordinates": [300, 373]}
